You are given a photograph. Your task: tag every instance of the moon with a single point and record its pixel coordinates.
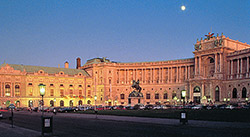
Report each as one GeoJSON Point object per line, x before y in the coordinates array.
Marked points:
{"type": "Point", "coordinates": [183, 8]}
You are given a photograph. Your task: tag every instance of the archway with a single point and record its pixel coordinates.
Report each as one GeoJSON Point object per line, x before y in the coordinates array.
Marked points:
{"type": "Point", "coordinates": [80, 102]}
{"type": "Point", "coordinates": [51, 103]}
{"type": "Point", "coordinates": [30, 103]}
{"type": "Point", "coordinates": [71, 103]}
{"type": "Point", "coordinates": [197, 95]}
{"type": "Point", "coordinates": [61, 103]}
{"type": "Point", "coordinates": [244, 92]}
{"type": "Point", "coordinates": [217, 94]}
{"type": "Point", "coordinates": [234, 93]}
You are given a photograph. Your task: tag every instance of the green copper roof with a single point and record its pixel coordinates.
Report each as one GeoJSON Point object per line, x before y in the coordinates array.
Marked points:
{"type": "Point", "coordinates": [49, 70]}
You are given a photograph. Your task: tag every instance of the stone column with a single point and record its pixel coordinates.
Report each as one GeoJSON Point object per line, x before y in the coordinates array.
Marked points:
{"type": "Point", "coordinates": [238, 67]}
{"type": "Point", "coordinates": [247, 67]}
{"type": "Point", "coordinates": [202, 90]}
{"type": "Point", "coordinates": [200, 65]}
{"type": "Point", "coordinates": [171, 74]}
{"type": "Point", "coordinates": [125, 79]}
{"type": "Point", "coordinates": [232, 65]}
{"type": "Point", "coordinates": [190, 93]}
{"type": "Point", "coordinates": [177, 74]}
{"type": "Point", "coordinates": [168, 75]}
{"type": "Point", "coordinates": [221, 62]}
{"type": "Point", "coordinates": [241, 64]}
{"type": "Point", "coordinates": [195, 67]}
{"type": "Point", "coordinates": [186, 70]}
{"type": "Point", "coordinates": [216, 62]}
{"type": "Point", "coordinates": [228, 69]}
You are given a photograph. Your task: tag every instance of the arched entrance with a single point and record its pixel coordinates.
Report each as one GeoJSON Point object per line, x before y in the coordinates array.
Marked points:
{"type": "Point", "coordinates": [17, 103]}
{"type": "Point", "coordinates": [234, 93]}
{"type": "Point", "coordinates": [217, 94]}
{"type": "Point", "coordinates": [197, 95]}
{"type": "Point", "coordinates": [51, 103]}
{"type": "Point", "coordinates": [71, 103]}
{"type": "Point", "coordinates": [61, 103]}
{"type": "Point", "coordinates": [30, 103]}
{"type": "Point", "coordinates": [88, 102]}
{"type": "Point", "coordinates": [244, 93]}
{"type": "Point", "coordinates": [80, 102]}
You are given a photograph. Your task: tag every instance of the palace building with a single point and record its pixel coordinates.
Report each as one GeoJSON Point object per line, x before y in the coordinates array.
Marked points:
{"type": "Point", "coordinates": [218, 73]}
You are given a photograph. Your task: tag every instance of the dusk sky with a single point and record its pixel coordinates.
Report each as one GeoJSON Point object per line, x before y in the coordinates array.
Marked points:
{"type": "Point", "coordinates": [50, 32]}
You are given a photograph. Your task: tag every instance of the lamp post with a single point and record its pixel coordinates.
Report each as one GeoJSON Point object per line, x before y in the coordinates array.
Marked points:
{"type": "Point", "coordinates": [42, 92]}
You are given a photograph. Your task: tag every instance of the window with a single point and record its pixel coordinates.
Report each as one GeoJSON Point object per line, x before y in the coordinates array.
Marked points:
{"type": "Point", "coordinates": [156, 95]}
{"type": "Point", "coordinates": [30, 84]}
{"type": "Point", "coordinates": [51, 92]}
{"type": "Point", "coordinates": [211, 60]}
{"type": "Point", "coordinates": [122, 96]}
{"type": "Point", "coordinates": [51, 103]}
{"type": "Point", "coordinates": [7, 90]}
{"type": "Point", "coordinates": [89, 92]}
{"type": "Point", "coordinates": [234, 93]}
{"type": "Point", "coordinates": [51, 85]}
{"type": "Point", "coordinates": [147, 96]}
{"type": "Point", "coordinates": [244, 93]}
{"type": "Point", "coordinates": [61, 92]}
{"type": "Point", "coordinates": [61, 85]}
{"type": "Point", "coordinates": [165, 96]}
{"type": "Point", "coordinates": [217, 94]}
{"type": "Point", "coordinates": [80, 92]}
{"type": "Point", "coordinates": [71, 92]}
{"type": "Point", "coordinates": [61, 103]}
{"type": "Point", "coordinates": [173, 94]}
{"type": "Point", "coordinates": [17, 90]}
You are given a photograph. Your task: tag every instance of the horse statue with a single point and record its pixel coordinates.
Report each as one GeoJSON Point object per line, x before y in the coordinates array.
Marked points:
{"type": "Point", "coordinates": [136, 85]}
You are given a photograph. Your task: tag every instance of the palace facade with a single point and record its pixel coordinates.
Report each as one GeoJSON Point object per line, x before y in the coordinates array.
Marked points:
{"type": "Point", "coordinates": [218, 73]}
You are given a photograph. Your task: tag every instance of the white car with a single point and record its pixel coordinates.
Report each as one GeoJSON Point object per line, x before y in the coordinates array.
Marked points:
{"type": "Point", "coordinates": [197, 107]}
{"type": "Point", "coordinates": [1, 115]}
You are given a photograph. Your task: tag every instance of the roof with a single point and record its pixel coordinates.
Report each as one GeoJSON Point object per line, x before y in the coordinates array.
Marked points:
{"type": "Point", "coordinates": [49, 70]}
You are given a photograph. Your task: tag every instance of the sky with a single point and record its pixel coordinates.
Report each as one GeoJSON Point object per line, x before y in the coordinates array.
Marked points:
{"type": "Point", "coordinates": [50, 32]}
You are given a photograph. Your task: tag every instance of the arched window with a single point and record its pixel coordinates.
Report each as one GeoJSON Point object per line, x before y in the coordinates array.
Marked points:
{"type": "Point", "coordinates": [61, 92]}
{"type": "Point", "coordinates": [165, 96]}
{"type": "Point", "coordinates": [173, 94]}
{"type": "Point", "coordinates": [80, 92]}
{"type": "Point", "coordinates": [244, 92]}
{"type": "Point", "coordinates": [234, 93]}
{"type": "Point", "coordinates": [122, 96]}
{"type": "Point", "coordinates": [7, 90]}
{"type": "Point", "coordinates": [51, 92]}
{"type": "Point", "coordinates": [51, 103]}
{"type": "Point", "coordinates": [217, 94]}
{"type": "Point", "coordinates": [197, 89]}
{"type": "Point", "coordinates": [71, 103]}
{"type": "Point", "coordinates": [211, 60]}
{"type": "Point", "coordinates": [148, 96]}
{"type": "Point", "coordinates": [61, 103]}
{"type": "Point", "coordinates": [17, 90]}
{"type": "Point", "coordinates": [88, 102]}
{"type": "Point", "coordinates": [30, 103]}
{"type": "Point", "coordinates": [80, 102]}
{"type": "Point", "coordinates": [157, 96]}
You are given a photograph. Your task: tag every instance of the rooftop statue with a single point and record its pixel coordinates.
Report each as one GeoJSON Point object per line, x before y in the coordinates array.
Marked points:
{"type": "Point", "coordinates": [209, 35]}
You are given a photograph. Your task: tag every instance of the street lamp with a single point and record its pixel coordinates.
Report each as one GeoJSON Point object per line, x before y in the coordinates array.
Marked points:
{"type": "Point", "coordinates": [42, 93]}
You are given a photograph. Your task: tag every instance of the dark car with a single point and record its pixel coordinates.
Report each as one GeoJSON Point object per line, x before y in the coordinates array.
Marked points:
{"type": "Point", "coordinates": [149, 107]}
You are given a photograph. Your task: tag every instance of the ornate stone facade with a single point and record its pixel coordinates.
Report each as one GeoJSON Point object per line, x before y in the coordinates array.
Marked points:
{"type": "Point", "coordinates": [218, 73]}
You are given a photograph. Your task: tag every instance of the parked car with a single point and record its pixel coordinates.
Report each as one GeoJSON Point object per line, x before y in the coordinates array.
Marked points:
{"type": "Point", "coordinates": [139, 107]}
{"type": "Point", "coordinates": [197, 107]}
{"type": "Point", "coordinates": [149, 107]}
{"type": "Point", "coordinates": [1, 115]}
{"type": "Point", "coordinates": [157, 107]}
